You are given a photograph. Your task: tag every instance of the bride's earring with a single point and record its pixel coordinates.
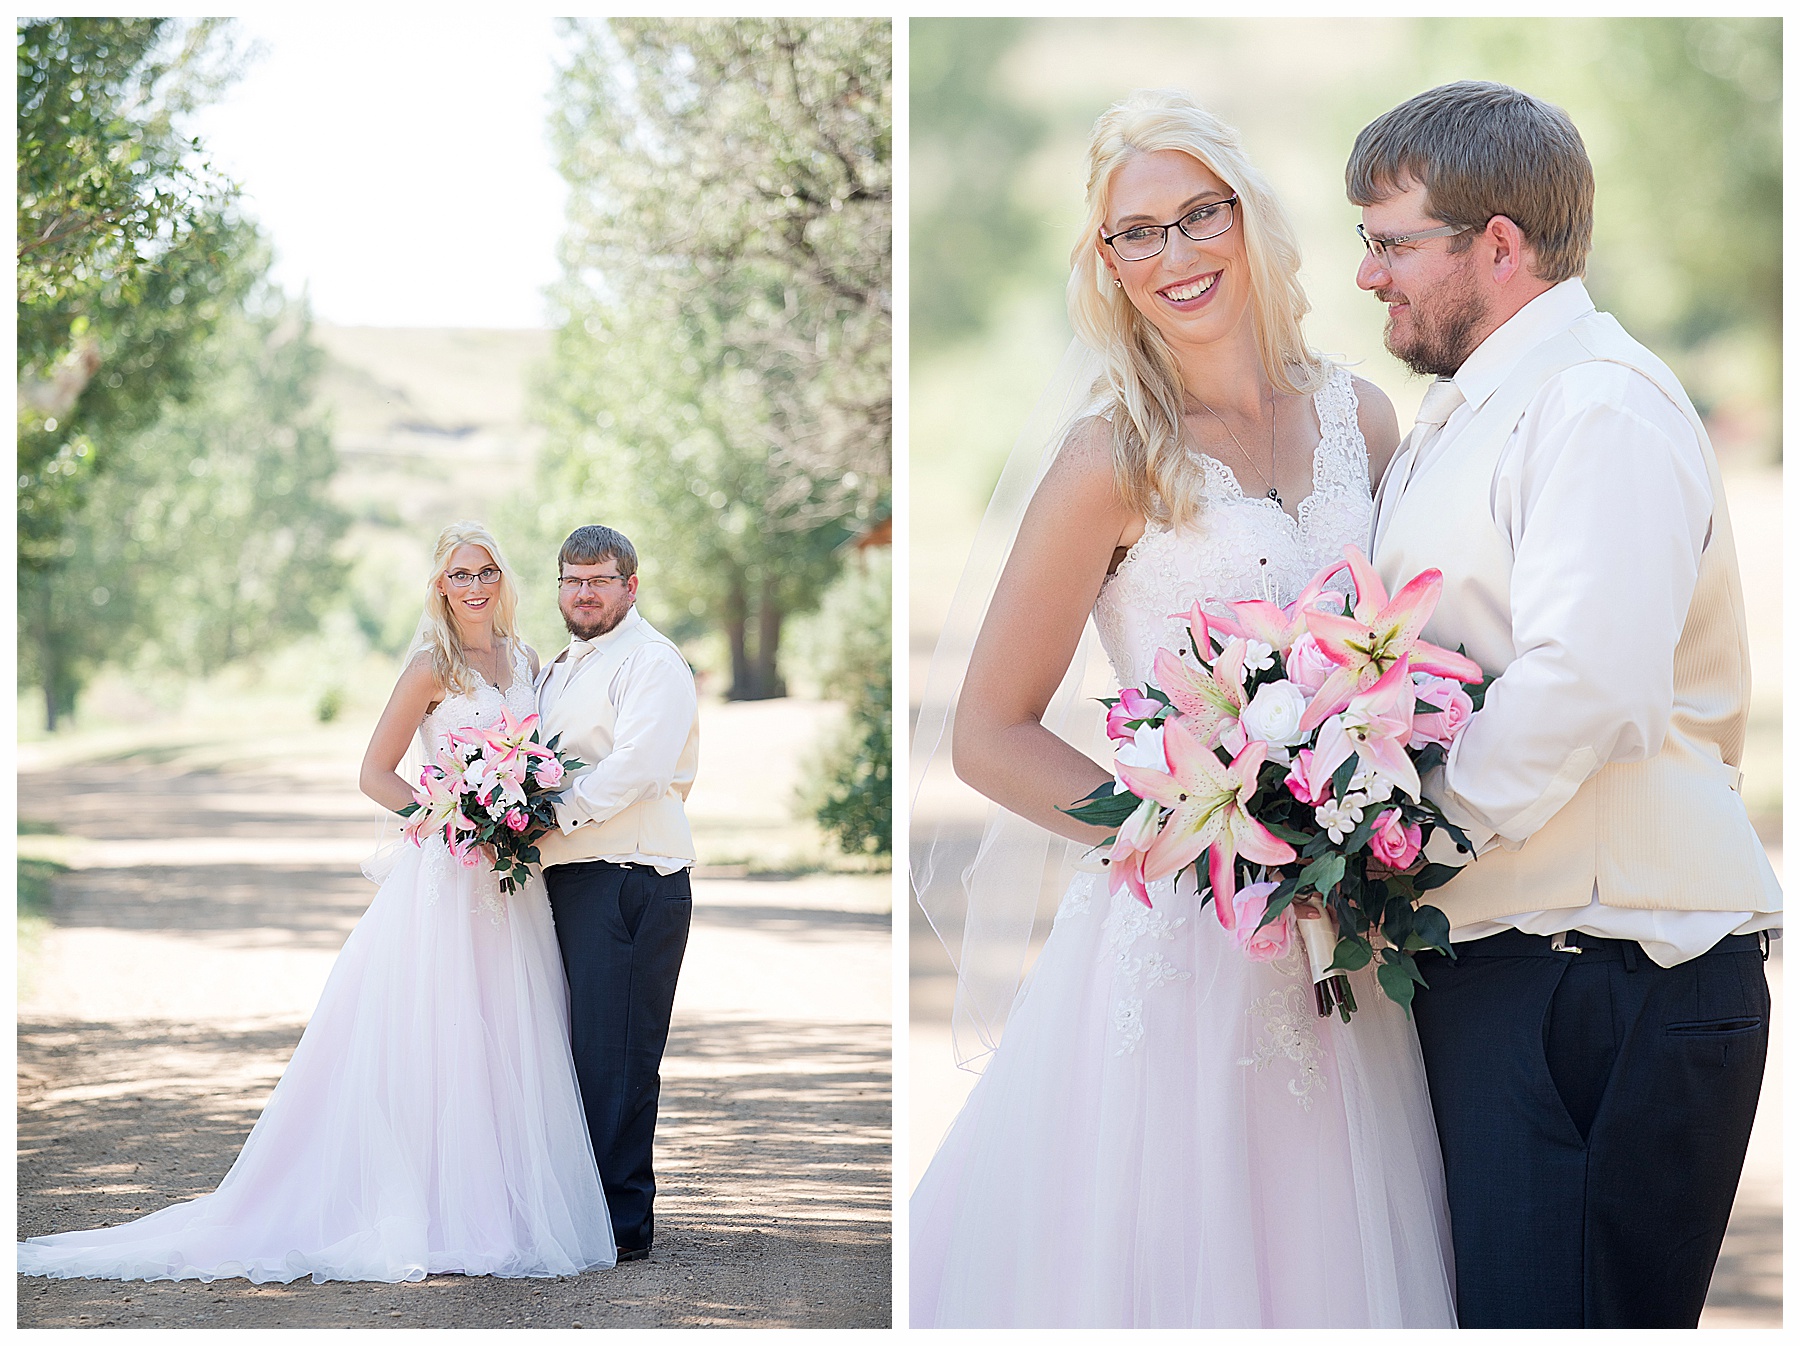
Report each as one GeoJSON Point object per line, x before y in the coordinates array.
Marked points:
{"type": "Point", "coordinates": [1118, 284]}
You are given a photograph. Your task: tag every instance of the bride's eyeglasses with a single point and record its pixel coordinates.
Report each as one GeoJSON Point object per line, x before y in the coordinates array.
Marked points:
{"type": "Point", "coordinates": [1141, 242]}
{"type": "Point", "coordinates": [462, 579]}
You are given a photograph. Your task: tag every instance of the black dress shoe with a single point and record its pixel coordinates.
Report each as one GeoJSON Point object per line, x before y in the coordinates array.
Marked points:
{"type": "Point", "coordinates": [634, 1255]}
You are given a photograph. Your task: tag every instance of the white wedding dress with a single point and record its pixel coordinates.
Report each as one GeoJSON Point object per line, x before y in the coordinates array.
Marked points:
{"type": "Point", "coordinates": [429, 1120]}
{"type": "Point", "coordinates": [1168, 1135]}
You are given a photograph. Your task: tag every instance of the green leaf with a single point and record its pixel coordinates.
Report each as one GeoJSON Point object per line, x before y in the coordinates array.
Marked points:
{"type": "Point", "coordinates": [1433, 927]}
{"type": "Point", "coordinates": [1429, 758]}
{"type": "Point", "coordinates": [1340, 779]}
{"type": "Point", "coordinates": [1434, 876]}
{"type": "Point", "coordinates": [1279, 901]}
{"type": "Point", "coordinates": [1292, 835]}
{"type": "Point", "coordinates": [408, 811]}
{"type": "Point", "coordinates": [1322, 875]}
{"type": "Point", "coordinates": [1397, 985]}
{"type": "Point", "coordinates": [1351, 955]}
{"type": "Point", "coordinates": [1106, 811]}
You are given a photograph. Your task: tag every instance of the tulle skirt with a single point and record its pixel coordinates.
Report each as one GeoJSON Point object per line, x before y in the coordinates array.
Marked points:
{"type": "Point", "coordinates": [428, 1122]}
{"type": "Point", "coordinates": [1170, 1136]}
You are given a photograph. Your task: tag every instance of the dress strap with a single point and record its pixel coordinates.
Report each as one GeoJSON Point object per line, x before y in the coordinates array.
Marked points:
{"type": "Point", "coordinates": [1343, 457]}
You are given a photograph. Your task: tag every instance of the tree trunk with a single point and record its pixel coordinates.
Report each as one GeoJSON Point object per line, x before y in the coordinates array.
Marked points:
{"type": "Point", "coordinates": [736, 624]}
{"type": "Point", "coordinates": [49, 666]}
{"type": "Point", "coordinates": [768, 644]}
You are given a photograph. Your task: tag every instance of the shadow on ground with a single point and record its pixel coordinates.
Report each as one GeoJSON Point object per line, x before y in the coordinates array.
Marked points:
{"type": "Point", "coordinates": [772, 1208]}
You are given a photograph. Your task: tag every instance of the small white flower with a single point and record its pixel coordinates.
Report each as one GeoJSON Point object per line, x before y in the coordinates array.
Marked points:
{"type": "Point", "coordinates": [1338, 819]}
{"type": "Point", "coordinates": [1372, 785]}
{"type": "Point", "coordinates": [1356, 799]}
{"type": "Point", "coordinates": [1258, 657]}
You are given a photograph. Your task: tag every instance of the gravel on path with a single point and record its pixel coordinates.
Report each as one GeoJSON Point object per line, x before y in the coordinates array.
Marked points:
{"type": "Point", "coordinates": [176, 979]}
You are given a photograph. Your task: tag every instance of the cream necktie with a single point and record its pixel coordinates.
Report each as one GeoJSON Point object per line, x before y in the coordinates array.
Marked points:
{"type": "Point", "coordinates": [564, 669]}
{"type": "Point", "coordinates": [1440, 402]}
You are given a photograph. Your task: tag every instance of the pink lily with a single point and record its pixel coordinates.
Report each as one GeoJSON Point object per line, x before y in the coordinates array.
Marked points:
{"type": "Point", "coordinates": [1277, 627]}
{"type": "Point", "coordinates": [1375, 726]}
{"type": "Point", "coordinates": [1199, 628]}
{"type": "Point", "coordinates": [1210, 810]}
{"type": "Point", "coordinates": [1378, 634]}
{"type": "Point", "coordinates": [1131, 705]}
{"type": "Point", "coordinates": [1125, 862]}
{"type": "Point", "coordinates": [1209, 699]}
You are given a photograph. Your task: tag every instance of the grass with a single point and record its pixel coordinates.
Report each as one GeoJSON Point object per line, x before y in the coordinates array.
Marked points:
{"type": "Point", "coordinates": [37, 880]}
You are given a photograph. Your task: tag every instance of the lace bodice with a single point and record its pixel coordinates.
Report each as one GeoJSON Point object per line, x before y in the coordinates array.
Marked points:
{"type": "Point", "coordinates": [457, 711]}
{"type": "Point", "coordinates": [1240, 546]}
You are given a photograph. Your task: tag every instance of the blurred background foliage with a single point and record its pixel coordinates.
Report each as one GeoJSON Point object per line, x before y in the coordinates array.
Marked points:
{"type": "Point", "coordinates": [1681, 117]}
{"type": "Point", "coordinates": [209, 483]}
{"type": "Point", "coordinates": [165, 447]}
{"type": "Point", "coordinates": [721, 381]}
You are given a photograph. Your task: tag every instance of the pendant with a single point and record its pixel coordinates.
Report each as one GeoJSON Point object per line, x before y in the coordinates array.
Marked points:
{"type": "Point", "coordinates": [1275, 495]}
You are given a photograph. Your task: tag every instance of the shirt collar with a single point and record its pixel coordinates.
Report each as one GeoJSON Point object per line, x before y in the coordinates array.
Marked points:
{"type": "Point", "coordinates": [1551, 312]}
{"type": "Point", "coordinates": [630, 619]}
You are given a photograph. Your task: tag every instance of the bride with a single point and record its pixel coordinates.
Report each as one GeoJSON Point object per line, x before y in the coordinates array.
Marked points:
{"type": "Point", "coordinates": [1168, 1135]}
{"type": "Point", "coordinates": [429, 1120]}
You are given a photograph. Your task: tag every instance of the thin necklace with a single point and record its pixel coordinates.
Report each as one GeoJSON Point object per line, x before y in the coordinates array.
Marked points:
{"type": "Point", "coordinates": [1244, 453]}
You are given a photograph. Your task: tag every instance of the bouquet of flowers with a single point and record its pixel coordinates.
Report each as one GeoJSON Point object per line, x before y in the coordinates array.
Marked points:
{"type": "Point", "coordinates": [1285, 745]}
{"type": "Point", "coordinates": [491, 787]}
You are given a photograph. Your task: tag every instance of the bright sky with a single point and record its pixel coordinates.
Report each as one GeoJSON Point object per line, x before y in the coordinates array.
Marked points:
{"type": "Point", "coordinates": [400, 165]}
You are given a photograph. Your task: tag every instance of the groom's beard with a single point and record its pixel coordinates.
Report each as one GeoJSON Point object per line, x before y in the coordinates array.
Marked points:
{"type": "Point", "coordinates": [584, 623]}
{"type": "Point", "coordinates": [1443, 330]}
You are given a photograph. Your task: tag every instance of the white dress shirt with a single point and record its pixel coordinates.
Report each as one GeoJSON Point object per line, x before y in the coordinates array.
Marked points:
{"type": "Point", "coordinates": [1602, 490]}
{"type": "Point", "coordinates": [653, 693]}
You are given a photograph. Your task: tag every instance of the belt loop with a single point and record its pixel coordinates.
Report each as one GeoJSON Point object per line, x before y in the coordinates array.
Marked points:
{"type": "Point", "coordinates": [1628, 948]}
{"type": "Point", "coordinates": [1762, 938]}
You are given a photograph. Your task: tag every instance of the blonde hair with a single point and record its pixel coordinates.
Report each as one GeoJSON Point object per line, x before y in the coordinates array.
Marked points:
{"type": "Point", "coordinates": [1155, 475]}
{"type": "Point", "coordinates": [438, 630]}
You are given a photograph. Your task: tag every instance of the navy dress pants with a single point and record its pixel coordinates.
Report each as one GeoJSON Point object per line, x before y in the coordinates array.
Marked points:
{"type": "Point", "coordinates": [623, 930]}
{"type": "Point", "coordinates": [1594, 1110]}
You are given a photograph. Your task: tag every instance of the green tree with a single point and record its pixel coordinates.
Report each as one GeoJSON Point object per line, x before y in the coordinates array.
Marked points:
{"type": "Point", "coordinates": [210, 535]}
{"type": "Point", "coordinates": [721, 382]}
{"type": "Point", "coordinates": [968, 140]}
{"type": "Point", "coordinates": [126, 243]}
{"type": "Point", "coordinates": [849, 788]}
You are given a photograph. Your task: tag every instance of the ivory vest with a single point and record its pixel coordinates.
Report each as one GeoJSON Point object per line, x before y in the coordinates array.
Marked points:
{"type": "Point", "coordinates": [1669, 832]}
{"type": "Point", "coordinates": [584, 715]}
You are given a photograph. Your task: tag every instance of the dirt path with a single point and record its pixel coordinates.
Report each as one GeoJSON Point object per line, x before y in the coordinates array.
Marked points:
{"type": "Point", "coordinates": [191, 936]}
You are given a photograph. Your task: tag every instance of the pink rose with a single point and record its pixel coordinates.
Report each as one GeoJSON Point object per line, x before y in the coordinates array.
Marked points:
{"type": "Point", "coordinates": [1307, 664]}
{"type": "Point", "coordinates": [1393, 843]}
{"type": "Point", "coordinates": [1454, 707]}
{"type": "Point", "coordinates": [549, 773]}
{"type": "Point", "coordinates": [516, 819]}
{"type": "Point", "coordinates": [1296, 781]}
{"type": "Point", "coordinates": [1275, 938]}
{"type": "Point", "coordinates": [1132, 705]}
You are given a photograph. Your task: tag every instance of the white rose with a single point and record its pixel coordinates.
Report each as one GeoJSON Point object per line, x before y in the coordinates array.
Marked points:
{"type": "Point", "coordinates": [1273, 714]}
{"type": "Point", "coordinates": [1144, 750]}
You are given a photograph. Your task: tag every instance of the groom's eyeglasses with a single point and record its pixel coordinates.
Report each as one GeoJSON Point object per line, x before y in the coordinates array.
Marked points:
{"type": "Point", "coordinates": [1141, 242]}
{"type": "Point", "coordinates": [462, 579]}
{"type": "Point", "coordinates": [1378, 247]}
{"type": "Point", "coordinates": [599, 583]}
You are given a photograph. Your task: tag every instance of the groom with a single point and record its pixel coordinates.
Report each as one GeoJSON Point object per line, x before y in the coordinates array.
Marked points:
{"type": "Point", "coordinates": [1596, 1048]}
{"type": "Point", "coordinates": [622, 699]}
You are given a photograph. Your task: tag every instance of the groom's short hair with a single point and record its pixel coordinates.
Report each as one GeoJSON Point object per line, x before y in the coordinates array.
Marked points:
{"type": "Point", "coordinates": [1482, 150]}
{"type": "Point", "coordinates": [593, 543]}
